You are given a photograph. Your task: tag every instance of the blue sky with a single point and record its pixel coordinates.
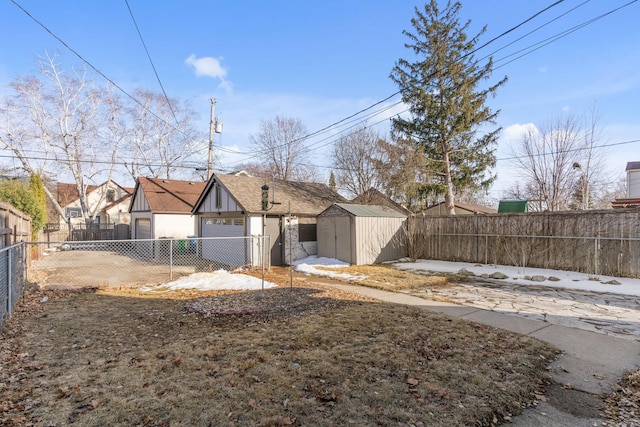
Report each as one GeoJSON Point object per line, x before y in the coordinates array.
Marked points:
{"type": "Point", "coordinates": [322, 61]}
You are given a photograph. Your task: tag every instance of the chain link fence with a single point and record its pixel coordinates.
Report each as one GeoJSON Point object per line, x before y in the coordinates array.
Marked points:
{"type": "Point", "coordinates": [12, 278]}
{"type": "Point", "coordinates": [131, 263]}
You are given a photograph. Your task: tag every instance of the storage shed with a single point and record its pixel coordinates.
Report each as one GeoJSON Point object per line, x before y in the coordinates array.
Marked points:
{"type": "Point", "coordinates": [361, 234]}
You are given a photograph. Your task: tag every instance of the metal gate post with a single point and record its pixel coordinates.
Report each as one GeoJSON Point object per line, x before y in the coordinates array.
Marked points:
{"type": "Point", "coordinates": [171, 259]}
{"type": "Point", "coordinates": [9, 286]}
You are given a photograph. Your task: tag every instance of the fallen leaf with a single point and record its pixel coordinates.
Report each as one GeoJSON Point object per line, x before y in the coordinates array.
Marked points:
{"type": "Point", "coordinates": [412, 381]}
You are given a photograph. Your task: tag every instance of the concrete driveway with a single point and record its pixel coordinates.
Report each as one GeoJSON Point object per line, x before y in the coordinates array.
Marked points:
{"type": "Point", "coordinates": [606, 313]}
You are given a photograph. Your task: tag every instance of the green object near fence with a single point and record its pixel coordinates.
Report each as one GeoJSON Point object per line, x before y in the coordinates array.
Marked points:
{"type": "Point", "coordinates": [513, 206]}
{"type": "Point", "coordinates": [182, 246]}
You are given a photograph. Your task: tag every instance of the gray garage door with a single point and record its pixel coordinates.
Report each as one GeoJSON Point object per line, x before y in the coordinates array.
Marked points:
{"type": "Point", "coordinates": [232, 250]}
{"type": "Point", "coordinates": [143, 228]}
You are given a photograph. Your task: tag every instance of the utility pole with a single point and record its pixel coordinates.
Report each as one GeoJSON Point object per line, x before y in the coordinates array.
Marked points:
{"type": "Point", "coordinates": [211, 133]}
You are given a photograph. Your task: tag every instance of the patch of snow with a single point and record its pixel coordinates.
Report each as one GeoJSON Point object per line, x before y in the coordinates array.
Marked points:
{"type": "Point", "coordinates": [217, 280]}
{"type": "Point", "coordinates": [308, 266]}
{"type": "Point", "coordinates": [522, 276]}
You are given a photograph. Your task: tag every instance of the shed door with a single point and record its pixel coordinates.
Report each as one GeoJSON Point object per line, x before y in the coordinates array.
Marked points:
{"type": "Point", "coordinates": [343, 238]}
{"type": "Point", "coordinates": [274, 230]}
{"type": "Point", "coordinates": [143, 228]}
{"type": "Point", "coordinates": [334, 238]}
{"type": "Point", "coordinates": [326, 238]}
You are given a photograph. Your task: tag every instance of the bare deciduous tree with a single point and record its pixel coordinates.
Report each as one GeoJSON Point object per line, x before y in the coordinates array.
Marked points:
{"type": "Point", "coordinates": [560, 165]}
{"type": "Point", "coordinates": [281, 149]}
{"type": "Point", "coordinates": [52, 126]}
{"type": "Point", "coordinates": [404, 169]}
{"type": "Point", "coordinates": [355, 159]}
{"type": "Point", "coordinates": [159, 145]}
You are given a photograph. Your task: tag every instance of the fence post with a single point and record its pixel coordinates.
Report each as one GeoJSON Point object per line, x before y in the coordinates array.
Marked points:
{"type": "Point", "coordinates": [597, 255]}
{"type": "Point", "coordinates": [170, 259]}
{"type": "Point", "coordinates": [9, 287]}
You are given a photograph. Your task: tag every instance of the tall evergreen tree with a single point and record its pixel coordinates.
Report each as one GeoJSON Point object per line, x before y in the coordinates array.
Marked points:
{"type": "Point", "coordinates": [446, 103]}
{"type": "Point", "coordinates": [332, 181]}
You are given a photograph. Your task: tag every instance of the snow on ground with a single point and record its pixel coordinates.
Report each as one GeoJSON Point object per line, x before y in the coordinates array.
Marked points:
{"type": "Point", "coordinates": [217, 280]}
{"type": "Point", "coordinates": [309, 266]}
{"type": "Point", "coordinates": [223, 280]}
{"type": "Point", "coordinates": [568, 279]}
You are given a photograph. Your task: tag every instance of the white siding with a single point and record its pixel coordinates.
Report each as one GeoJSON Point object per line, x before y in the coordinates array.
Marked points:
{"type": "Point", "coordinates": [633, 184]}
{"type": "Point", "coordinates": [254, 226]}
{"type": "Point", "coordinates": [294, 249]}
{"type": "Point", "coordinates": [178, 226]}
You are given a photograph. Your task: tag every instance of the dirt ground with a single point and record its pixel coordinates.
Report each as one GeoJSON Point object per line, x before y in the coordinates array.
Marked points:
{"type": "Point", "coordinates": [84, 268]}
{"type": "Point", "coordinates": [120, 357]}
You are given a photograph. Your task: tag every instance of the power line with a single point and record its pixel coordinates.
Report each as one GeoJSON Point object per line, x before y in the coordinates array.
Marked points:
{"type": "Point", "coordinates": [545, 42]}
{"type": "Point", "coordinates": [331, 126]}
{"type": "Point", "coordinates": [151, 62]}
{"type": "Point", "coordinates": [93, 67]}
{"type": "Point", "coordinates": [462, 57]}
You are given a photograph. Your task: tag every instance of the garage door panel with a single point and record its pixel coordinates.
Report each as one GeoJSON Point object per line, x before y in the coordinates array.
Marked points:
{"type": "Point", "coordinates": [143, 228]}
{"type": "Point", "coordinates": [228, 251]}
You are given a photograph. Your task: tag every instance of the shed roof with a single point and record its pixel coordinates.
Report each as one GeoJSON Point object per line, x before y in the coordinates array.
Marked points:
{"type": "Point", "coordinates": [375, 197]}
{"type": "Point", "coordinates": [304, 198]}
{"type": "Point", "coordinates": [632, 166]}
{"type": "Point", "coordinates": [169, 195]}
{"type": "Point", "coordinates": [370, 210]}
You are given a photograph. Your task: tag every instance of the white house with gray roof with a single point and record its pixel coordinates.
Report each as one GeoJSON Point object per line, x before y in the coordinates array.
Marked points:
{"type": "Point", "coordinates": [231, 206]}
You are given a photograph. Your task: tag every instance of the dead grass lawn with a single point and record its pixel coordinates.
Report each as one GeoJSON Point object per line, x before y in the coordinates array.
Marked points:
{"type": "Point", "coordinates": [127, 359]}
{"type": "Point", "coordinates": [387, 277]}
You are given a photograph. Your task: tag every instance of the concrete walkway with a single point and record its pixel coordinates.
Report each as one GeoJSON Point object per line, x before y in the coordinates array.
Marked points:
{"type": "Point", "coordinates": [590, 363]}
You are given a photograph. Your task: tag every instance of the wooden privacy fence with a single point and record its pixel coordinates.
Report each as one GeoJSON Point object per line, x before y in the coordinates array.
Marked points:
{"type": "Point", "coordinates": [15, 226]}
{"type": "Point", "coordinates": [603, 242]}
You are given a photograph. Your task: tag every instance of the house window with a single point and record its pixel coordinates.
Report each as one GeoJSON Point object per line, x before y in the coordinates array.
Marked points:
{"type": "Point", "coordinates": [73, 212]}
{"type": "Point", "coordinates": [238, 221]}
{"type": "Point", "coordinates": [111, 195]}
{"type": "Point", "coordinates": [218, 195]}
{"type": "Point", "coordinates": [307, 232]}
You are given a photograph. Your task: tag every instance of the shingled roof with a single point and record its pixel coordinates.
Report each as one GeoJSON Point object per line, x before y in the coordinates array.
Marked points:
{"type": "Point", "coordinates": [304, 198]}
{"type": "Point", "coordinates": [375, 197]}
{"type": "Point", "coordinates": [169, 195]}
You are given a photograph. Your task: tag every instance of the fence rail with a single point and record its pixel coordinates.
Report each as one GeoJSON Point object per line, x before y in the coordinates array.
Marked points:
{"type": "Point", "coordinates": [12, 278]}
{"type": "Point", "coordinates": [124, 263]}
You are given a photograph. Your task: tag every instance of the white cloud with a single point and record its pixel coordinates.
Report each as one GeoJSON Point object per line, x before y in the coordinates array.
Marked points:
{"type": "Point", "coordinates": [208, 66]}
{"type": "Point", "coordinates": [513, 133]}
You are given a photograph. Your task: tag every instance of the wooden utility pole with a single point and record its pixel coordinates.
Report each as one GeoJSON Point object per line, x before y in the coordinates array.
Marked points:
{"type": "Point", "coordinates": [211, 133]}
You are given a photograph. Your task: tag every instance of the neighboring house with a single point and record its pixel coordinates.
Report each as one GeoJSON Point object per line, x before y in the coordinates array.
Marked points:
{"type": "Point", "coordinates": [460, 209]}
{"type": "Point", "coordinates": [231, 206]}
{"type": "Point", "coordinates": [361, 234]}
{"type": "Point", "coordinates": [162, 208]}
{"type": "Point", "coordinates": [374, 197]}
{"type": "Point", "coordinates": [633, 188]}
{"type": "Point", "coordinates": [109, 200]}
